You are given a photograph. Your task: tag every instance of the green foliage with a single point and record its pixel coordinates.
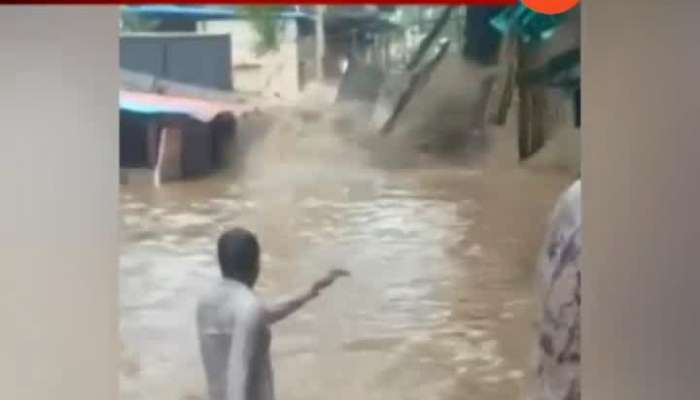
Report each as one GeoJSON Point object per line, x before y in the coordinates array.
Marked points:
{"type": "Point", "coordinates": [265, 22]}
{"type": "Point", "coordinates": [134, 23]}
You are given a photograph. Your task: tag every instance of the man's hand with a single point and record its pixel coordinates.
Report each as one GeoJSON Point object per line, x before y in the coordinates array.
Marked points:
{"type": "Point", "coordinates": [328, 280]}
{"type": "Point", "coordinates": [281, 309]}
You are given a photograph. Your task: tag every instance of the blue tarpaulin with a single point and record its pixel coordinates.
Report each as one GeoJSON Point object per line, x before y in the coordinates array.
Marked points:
{"type": "Point", "coordinates": [196, 13]}
{"type": "Point", "coordinates": [146, 108]}
{"type": "Point", "coordinates": [179, 12]}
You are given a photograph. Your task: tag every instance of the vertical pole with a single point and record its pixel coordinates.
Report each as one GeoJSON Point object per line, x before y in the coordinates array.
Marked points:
{"type": "Point", "coordinates": [320, 41]}
{"type": "Point", "coordinates": [510, 57]}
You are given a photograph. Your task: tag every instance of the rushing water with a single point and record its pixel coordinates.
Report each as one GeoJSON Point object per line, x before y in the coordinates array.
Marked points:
{"type": "Point", "coordinates": [439, 302]}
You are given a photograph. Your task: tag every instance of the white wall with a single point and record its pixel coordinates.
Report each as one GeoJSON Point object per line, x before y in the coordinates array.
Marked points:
{"type": "Point", "coordinates": [59, 233]}
{"type": "Point", "coordinates": [640, 200]}
{"type": "Point", "coordinates": [275, 72]}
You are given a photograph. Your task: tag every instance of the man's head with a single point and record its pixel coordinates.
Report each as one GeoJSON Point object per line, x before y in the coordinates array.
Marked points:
{"type": "Point", "coordinates": [239, 254]}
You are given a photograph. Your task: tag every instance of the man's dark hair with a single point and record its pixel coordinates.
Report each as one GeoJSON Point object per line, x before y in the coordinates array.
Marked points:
{"type": "Point", "coordinates": [239, 253]}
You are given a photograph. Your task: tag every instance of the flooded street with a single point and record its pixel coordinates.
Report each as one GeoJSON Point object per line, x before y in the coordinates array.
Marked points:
{"type": "Point", "coordinates": [439, 305]}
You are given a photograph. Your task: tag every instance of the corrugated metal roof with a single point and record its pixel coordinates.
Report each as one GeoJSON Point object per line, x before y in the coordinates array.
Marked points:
{"type": "Point", "coordinates": [198, 13]}
{"type": "Point", "coordinates": [179, 12]}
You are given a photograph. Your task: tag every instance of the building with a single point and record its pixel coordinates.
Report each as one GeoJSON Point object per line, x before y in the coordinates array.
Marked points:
{"type": "Point", "coordinates": [213, 47]}
{"type": "Point", "coordinates": [148, 32]}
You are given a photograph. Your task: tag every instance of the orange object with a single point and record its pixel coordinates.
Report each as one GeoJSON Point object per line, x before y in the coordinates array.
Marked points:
{"type": "Point", "coordinates": [550, 7]}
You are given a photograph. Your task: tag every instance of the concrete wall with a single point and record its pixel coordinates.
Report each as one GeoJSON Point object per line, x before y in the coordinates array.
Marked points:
{"type": "Point", "coordinates": [202, 60]}
{"type": "Point", "coordinates": [273, 73]}
{"type": "Point", "coordinates": [60, 232]}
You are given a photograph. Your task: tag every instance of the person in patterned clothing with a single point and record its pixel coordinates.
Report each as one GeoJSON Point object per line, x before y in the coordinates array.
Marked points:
{"type": "Point", "coordinates": [558, 357]}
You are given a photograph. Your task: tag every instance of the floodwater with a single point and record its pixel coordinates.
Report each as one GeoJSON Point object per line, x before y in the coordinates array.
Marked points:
{"type": "Point", "coordinates": [439, 304]}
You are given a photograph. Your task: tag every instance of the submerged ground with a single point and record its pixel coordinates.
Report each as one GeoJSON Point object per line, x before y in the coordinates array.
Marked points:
{"type": "Point", "coordinates": [441, 251]}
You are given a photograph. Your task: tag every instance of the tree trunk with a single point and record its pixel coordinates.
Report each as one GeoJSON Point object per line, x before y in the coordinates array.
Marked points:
{"type": "Point", "coordinates": [532, 111]}
{"type": "Point", "coordinates": [510, 56]}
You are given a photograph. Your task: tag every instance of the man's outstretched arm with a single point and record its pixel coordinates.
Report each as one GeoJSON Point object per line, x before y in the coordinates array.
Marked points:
{"type": "Point", "coordinates": [282, 308]}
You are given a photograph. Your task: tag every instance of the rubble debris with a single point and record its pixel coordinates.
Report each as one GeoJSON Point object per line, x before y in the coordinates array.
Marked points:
{"type": "Point", "coordinates": [418, 79]}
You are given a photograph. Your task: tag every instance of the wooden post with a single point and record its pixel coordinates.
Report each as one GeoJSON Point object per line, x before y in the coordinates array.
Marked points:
{"type": "Point", "coordinates": [510, 56]}
{"type": "Point", "coordinates": [532, 108]}
{"type": "Point", "coordinates": [169, 165]}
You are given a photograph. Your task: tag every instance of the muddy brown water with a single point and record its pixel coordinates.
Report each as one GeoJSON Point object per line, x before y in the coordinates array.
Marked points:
{"type": "Point", "coordinates": [439, 305]}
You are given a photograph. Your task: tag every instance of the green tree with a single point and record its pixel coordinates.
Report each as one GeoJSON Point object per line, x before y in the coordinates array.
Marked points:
{"type": "Point", "coordinates": [265, 22]}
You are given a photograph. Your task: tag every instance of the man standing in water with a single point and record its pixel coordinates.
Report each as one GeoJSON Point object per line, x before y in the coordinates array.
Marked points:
{"type": "Point", "coordinates": [233, 324]}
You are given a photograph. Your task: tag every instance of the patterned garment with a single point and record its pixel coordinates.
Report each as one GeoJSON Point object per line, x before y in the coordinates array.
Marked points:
{"type": "Point", "coordinates": [559, 286]}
